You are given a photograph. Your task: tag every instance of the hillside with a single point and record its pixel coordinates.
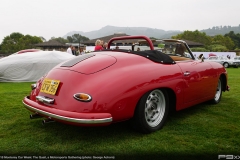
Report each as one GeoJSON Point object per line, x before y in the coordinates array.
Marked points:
{"type": "Point", "coordinates": [221, 30]}
{"type": "Point", "coordinates": [109, 30]}
{"type": "Point", "coordinates": [150, 32]}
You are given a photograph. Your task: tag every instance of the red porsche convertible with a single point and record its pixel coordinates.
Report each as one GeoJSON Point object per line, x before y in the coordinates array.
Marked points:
{"type": "Point", "coordinates": [142, 82]}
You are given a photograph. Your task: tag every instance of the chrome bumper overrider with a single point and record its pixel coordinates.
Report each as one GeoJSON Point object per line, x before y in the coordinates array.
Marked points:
{"type": "Point", "coordinates": [68, 119]}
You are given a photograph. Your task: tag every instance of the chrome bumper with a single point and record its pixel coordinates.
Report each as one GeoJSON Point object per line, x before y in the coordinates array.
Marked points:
{"type": "Point", "coordinates": [68, 119]}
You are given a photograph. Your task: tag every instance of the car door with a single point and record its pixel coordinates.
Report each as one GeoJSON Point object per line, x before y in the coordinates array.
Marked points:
{"type": "Point", "coordinates": [198, 80]}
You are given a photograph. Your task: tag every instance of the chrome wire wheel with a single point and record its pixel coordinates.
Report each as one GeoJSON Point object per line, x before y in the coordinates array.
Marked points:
{"type": "Point", "coordinates": [218, 91]}
{"type": "Point", "coordinates": [155, 106]}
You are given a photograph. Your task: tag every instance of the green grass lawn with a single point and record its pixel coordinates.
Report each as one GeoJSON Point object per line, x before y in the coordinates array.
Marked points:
{"type": "Point", "coordinates": [203, 131]}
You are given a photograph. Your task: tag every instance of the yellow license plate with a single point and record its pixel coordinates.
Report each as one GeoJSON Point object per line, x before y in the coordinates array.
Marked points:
{"type": "Point", "coordinates": [50, 86]}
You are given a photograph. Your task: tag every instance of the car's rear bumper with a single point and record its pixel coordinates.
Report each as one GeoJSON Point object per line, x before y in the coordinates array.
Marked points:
{"type": "Point", "coordinates": [67, 116]}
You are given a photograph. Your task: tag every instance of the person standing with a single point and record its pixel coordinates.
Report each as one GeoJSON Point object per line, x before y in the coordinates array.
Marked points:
{"type": "Point", "coordinates": [98, 45]}
{"type": "Point", "coordinates": [81, 51]}
{"type": "Point", "coordinates": [105, 45]}
{"type": "Point", "coordinates": [74, 51]}
{"type": "Point", "coordinates": [69, 50]}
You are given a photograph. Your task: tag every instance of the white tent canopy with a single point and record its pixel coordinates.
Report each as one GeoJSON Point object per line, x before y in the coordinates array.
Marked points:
{"type": "Point", "coordinates": [30, 66]}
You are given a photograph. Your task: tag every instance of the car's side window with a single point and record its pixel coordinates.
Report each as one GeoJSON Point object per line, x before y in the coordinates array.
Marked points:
{"type": "Point", "coordinates": [180, 53]}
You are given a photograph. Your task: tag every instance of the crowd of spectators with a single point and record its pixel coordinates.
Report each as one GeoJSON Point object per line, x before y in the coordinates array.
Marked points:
{"type": "Point", "coordinates": [99, 45]}
{"type": "Point", "coordinates": [76, 51]}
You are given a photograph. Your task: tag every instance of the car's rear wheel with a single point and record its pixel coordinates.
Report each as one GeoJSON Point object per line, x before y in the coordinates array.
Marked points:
{"type": "Point", "coordinates": [151, 112]}
{"type": "Point", "coordinates": [218, 94]}
{"type": "Point", "coordinates": [226, 65]}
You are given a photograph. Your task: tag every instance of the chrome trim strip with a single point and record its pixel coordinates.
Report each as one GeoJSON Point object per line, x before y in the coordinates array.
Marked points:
{"type": "Point", "coordinates": [68, 119]}
{"type": "Point", "coordinates": [33, 86]}
{"type": "Point", "coordinates": [45, 99]}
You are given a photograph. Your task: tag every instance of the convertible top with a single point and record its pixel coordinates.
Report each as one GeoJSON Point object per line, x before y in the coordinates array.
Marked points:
{"type": "Point", "coordinates": [153, 55]}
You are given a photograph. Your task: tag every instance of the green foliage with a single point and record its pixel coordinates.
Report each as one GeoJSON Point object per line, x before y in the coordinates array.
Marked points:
{"type": "Point", "coordinates": [60, 39]}
{"type": "Point", "coordinates": [217, 48]}
{"type": "Point", "coordinates": [77, 38]}
{"type": "Point", "coordinates": [17, 41]}
{"type": "Point", "coordinates": [195, 36]}
{"type": "Point", "coordinates": [235, 38]}
{"type": "Point", "coordinates": [221, 30]}
{"type": "Point", "coordinates": [199, 49]}
{"type": "Point", "coordinates": [227, 42]}
{"type": "Point", "coordinates": [223, 40]}
{"type": "Point", "coordinates": [152, 38]}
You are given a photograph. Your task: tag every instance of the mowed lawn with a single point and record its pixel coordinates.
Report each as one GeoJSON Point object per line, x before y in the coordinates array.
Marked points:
{"type": "Point", "coordinates": [201, 132]}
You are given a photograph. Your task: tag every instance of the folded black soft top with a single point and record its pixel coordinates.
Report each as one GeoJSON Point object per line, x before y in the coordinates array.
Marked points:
{"type": "Point", "coordinates": [153, 55]}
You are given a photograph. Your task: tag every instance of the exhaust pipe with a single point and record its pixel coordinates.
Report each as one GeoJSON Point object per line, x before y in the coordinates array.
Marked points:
{"type": "Point", "coordinates": [45, 121]}
{"type": "Point", "coordinates": [34, 116]}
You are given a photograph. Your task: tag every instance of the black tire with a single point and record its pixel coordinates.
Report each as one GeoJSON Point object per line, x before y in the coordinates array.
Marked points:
{"type": "Point", "coordinates": [151, 111]}
{"type": "Point", "coordinates": [218, 94]}
{"type": "Point", "coordinates": [226, 65]}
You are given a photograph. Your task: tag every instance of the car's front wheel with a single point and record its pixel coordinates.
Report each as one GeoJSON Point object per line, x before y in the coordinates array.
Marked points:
{"type": "Point", "coordinates": [218, 93]}
{"type": "Point", "coordinates": [151, 112]}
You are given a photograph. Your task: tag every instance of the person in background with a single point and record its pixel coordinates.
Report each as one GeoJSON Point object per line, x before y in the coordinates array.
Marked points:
{"type": "Point", "coordinates": [117, 47]}
{"type": "Point", "coordinates": [69, 50]}
{"type": "Point", "coordinates": [74, 51]}
{"type": "Point", "coordinates": [98, 45]}
{"type": "Point", "coordinates": [81, 52]}
{"type": "Point", "coordinates": [105, 45]}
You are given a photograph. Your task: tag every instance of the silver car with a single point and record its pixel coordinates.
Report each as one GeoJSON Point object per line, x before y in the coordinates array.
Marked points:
{"type": "Point", "coordinates": [224, 61]}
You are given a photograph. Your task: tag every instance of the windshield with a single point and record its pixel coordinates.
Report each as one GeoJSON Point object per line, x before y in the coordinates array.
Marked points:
{"type": "Point", "coordinates": [171, 48]}
{"type": "Point", "coordinates": [176, 49]}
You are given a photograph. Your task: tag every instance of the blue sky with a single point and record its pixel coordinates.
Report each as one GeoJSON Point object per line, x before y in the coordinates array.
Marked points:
{"type": "Point", "coordinates": [55, 18]}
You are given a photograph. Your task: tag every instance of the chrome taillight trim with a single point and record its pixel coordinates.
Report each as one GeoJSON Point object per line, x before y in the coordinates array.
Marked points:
{"type": "Point", "coordinates": [88, 100]}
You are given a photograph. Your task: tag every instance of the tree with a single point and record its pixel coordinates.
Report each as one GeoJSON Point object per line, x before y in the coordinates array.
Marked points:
{"type": "Point", "coordinates": [17, 41]}
{"type": "Point", "coordinates": [224, 41]}
{"type": "Point", "coordinates": [217, 48]}
{"type": "Point", "coordinates": [235, 38]}
{"type": "Point", "coordinates": [60, 39]}
{"type": "Point", "coordinates": [152, 38]}
{"type": "Point", "coordinates": [195, 36]}
{"type": "Point", "coordinates": [43, 39]}
{"type": "Point", "coordinates": [77, 38]}
{"type": "Point", "coordinates": [216, 43]}
{"type": "Point", "coordinates": [199, 49]}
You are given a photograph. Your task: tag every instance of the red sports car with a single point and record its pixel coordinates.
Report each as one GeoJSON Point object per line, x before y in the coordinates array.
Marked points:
{"type": "Point", "coordinates": [141, 82]}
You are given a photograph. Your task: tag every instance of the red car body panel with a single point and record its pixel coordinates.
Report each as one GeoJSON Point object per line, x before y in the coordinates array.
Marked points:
{"type": "Point", "coordinates": [28, 50]}
{"type": "Point", "coordinates": [116, 81]}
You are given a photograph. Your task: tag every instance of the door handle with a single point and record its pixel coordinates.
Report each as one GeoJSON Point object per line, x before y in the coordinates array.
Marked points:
{"type": "Point", "coordinates": [186, 74]}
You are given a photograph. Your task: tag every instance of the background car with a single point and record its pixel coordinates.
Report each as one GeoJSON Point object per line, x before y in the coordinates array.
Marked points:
{"type": "Point", "coordinates": [237, 60]}
{"type": "Point", "coordinates": [30, 66]}
{"type": "Point", "coordinates": [115, 85]}
{"type": "Point", "coordinates": [223, 60]}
